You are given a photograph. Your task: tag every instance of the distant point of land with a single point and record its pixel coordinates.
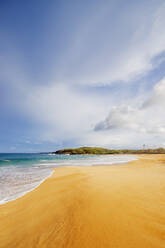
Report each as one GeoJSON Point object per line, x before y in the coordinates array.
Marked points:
{"type": "Point", "coordinates": [104, 151]}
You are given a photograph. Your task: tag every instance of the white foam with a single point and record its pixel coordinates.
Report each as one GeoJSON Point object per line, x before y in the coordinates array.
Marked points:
{"type": "Point", "coordinates": [89, 161]}
{"type": "Point", "coordinates": [12, 193]}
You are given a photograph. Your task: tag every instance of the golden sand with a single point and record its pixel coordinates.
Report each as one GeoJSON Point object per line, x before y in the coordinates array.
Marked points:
{"type": "Point", "coordinates": [87, 207]}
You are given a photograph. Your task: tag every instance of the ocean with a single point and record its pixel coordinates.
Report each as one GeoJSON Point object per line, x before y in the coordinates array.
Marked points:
{"type": "Point", "coordinates": [22, 172]}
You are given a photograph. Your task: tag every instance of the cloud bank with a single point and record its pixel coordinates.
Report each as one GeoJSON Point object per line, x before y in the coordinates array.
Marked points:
{"type": "Point", "coordinates": [145, 118]}
{"type": "Point", "coordinates": [91, 77]}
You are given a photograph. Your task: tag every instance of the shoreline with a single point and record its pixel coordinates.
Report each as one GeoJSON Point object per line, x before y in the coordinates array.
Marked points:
{"type": "Point", "coordinates": [97, 206]}
{"type": "Point", "coordinates": [2, 202]}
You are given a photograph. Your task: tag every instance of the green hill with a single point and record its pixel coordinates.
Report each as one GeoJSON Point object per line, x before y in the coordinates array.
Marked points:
{"type": "Point", "coordinates": [104, 151]}
{"type": "Point", "coordinates": [84, 150]}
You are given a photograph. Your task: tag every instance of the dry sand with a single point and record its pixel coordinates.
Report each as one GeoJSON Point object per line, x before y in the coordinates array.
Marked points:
{"type": "Point", "coordinates": [102, 206]}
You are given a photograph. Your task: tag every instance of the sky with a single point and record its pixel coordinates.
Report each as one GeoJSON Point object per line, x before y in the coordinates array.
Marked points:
{"type": "Point", "coordinates": [81, 73]}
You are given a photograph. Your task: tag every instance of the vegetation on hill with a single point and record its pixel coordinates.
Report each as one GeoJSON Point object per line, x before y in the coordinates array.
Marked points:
{"type": "Point", "coordinates": [104, 151]}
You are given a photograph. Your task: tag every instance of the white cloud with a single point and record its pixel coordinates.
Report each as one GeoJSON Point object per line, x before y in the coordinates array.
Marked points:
{"type": "Point", "coordinates": [121, 48]}
{"type": "Point", "coordinates": [123, 116]}
{"type": "Point", "coordinates": [158, 96]}
{"type": "Point", "coordinates": [145, 118]}
{"type": "Point", "coordinates": [63, 111]}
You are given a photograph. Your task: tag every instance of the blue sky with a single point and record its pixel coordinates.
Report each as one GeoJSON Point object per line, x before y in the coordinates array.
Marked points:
{"type": "Point", "coordinates": [81, 73]}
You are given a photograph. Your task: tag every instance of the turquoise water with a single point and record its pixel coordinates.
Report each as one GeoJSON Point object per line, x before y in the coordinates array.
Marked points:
{"type": "Point", "coordinates": [22, 172]}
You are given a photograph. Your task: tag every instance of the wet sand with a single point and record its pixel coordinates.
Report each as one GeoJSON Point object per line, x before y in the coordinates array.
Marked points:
{"type": "Point", "coordinates": [87, 207]}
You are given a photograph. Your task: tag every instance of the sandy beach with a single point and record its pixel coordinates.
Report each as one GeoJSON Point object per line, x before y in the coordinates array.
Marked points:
{"type": "Point", "coordinates": [81, 207]}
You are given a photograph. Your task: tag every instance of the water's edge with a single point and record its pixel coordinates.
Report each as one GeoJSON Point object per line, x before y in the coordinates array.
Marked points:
{"type": "Point", "coordinates": [21, 179]}
{"type": "Point", "coordinates": [26, 192]}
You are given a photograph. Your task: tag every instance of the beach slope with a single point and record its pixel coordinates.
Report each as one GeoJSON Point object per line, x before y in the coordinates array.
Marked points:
{"type": "Point", "coordinates": [121, 206]}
